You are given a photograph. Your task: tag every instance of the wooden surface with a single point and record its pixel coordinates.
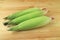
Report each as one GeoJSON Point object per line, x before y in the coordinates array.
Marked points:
{"type": "Point", "coordinates": [48, 32]}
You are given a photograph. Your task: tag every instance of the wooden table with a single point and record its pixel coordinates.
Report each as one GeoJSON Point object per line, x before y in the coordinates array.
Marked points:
{"type": "Point", "coordinates": [48, 32]}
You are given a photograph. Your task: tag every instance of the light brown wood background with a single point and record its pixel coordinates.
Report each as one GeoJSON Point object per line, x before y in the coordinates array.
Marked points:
{"type": "Point", "coordinates": [48, 32]}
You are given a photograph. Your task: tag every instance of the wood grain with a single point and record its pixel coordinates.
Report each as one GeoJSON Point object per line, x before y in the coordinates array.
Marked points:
{"type": "Point", "coordinates": [48, 32]}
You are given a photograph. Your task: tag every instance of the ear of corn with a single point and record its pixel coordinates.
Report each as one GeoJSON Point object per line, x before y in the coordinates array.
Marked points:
{"type": "Point", "coordinates": [32, 23]}
{"type": "Point", "coordinates": [20, 13]}
{"type": "Point", "coordinates": [26, 17]}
